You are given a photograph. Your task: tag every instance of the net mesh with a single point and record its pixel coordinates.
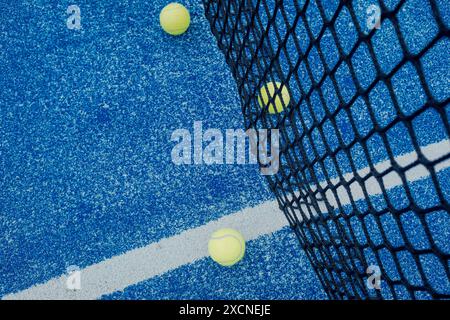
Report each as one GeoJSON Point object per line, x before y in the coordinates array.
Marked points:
{"type": "Point", "coordinates": [359, 91]}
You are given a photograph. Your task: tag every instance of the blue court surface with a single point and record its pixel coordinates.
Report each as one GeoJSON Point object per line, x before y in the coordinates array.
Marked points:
{"type": "Point", "coordinates": [86, 175]}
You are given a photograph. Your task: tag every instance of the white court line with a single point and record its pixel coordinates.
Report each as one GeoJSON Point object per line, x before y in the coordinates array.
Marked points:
{"type": "Point", "coordinates": [140, 264]}
{"type": "Point", "coordinates": [372, 186]}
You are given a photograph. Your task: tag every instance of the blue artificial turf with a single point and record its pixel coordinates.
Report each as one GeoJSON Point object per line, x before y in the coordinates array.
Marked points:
{"type": "Point", "coordinates": [86, 122]}
{"type": "Point", "coordinates": [86, 118]}
{"type": "Point", "coordinates": [272, 268]}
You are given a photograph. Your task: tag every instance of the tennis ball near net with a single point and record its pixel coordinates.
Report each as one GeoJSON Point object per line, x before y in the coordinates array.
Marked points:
{"type": "Point", "coordinates": [226, 247]}
{"type": "Point", "coordinates": [174, 19]}
{"type": "Point", "coordinates": [267, 92]}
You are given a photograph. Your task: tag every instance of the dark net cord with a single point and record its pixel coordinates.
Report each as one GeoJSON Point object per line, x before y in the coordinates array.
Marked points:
{"type": "Point", "coordinates": [348, 218]}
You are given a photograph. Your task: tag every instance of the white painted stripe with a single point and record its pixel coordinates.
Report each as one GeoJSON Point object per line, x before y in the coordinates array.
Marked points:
{"type": "Point", "coordinates": [140, 264]}
{"type": "Point", "coordinates": [372, 186]}
{"type": "Point", "coordinates": [137, 265]}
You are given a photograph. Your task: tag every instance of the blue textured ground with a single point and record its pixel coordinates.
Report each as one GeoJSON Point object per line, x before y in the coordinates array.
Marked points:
{"type": "Point", "coordinates": [85, 124]}
{"type": "Point", "coordinates": [86, 121]}
{"type": "Point", "coordinates": [261, 275]}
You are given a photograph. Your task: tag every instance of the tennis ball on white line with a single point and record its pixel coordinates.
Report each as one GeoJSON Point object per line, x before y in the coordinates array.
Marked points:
{"type": "Point", "coordinates": [226, 246]}
{"type": "Point", "coordinates": [174, 19]}
{"type": "Point", "coordinates": [267, 92]}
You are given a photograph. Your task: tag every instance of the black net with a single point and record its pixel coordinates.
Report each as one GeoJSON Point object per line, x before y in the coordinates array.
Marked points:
{"type": "Point", "coordinates": [359, 91]}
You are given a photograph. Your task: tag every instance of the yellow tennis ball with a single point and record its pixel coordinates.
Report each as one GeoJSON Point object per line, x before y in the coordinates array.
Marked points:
{"type": "Point", "coordinates": [267, 92]}
{"type": "Point", "coordinates": [174, 19]}
{"type": "Point", "coordinates": [226, 246]}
